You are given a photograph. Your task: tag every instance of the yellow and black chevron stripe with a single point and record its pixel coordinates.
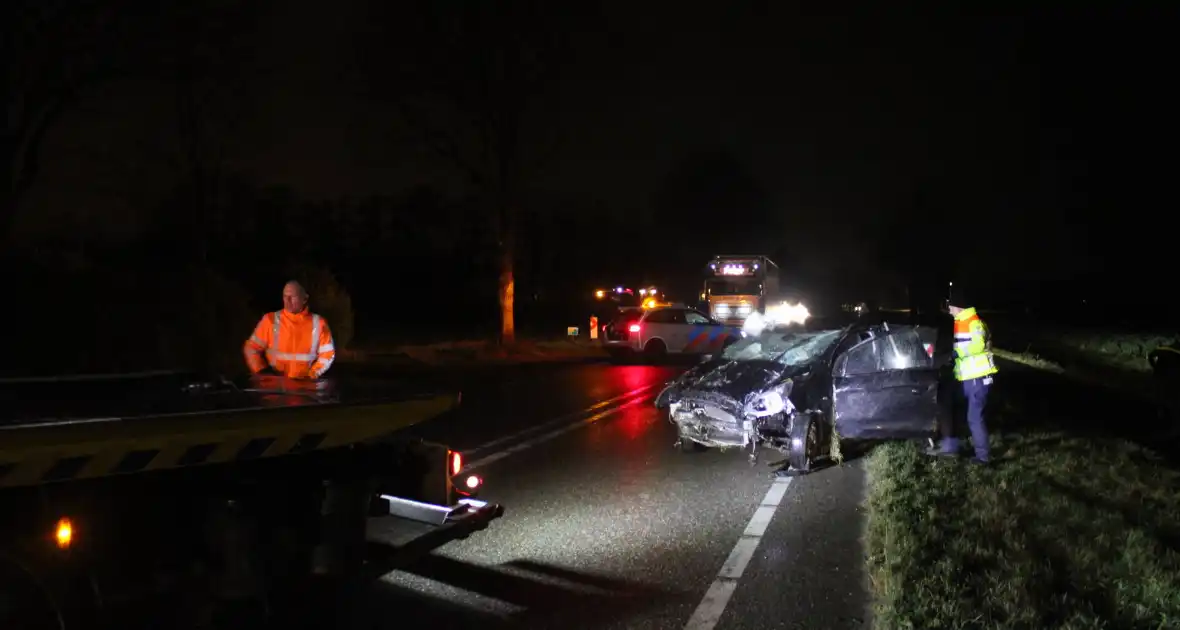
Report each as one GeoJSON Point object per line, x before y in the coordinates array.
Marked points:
{"type": "Point", "coordinates": [40, 454]}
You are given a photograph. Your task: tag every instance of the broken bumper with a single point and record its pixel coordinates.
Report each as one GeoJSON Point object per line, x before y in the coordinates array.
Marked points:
{"type": "Point", "coordinates": [710, 425]}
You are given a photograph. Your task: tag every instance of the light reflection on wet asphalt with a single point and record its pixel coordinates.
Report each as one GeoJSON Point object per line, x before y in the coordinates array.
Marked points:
{"type": "Point", "coordinates": [609, 526]}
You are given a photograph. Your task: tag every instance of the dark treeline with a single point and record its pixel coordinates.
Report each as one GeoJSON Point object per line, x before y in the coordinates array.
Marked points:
{"type": "Point", "coordinates": [200, 252]}
{"type": "Point", "coordinates": [415, 267]}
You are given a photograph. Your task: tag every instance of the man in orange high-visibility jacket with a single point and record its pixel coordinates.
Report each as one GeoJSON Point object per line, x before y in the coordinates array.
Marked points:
{"type": "Point", "coordinates": [296, 342]}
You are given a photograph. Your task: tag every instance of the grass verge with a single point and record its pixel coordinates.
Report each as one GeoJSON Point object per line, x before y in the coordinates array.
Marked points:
{"type": "Point", "coordinates": [1070, 528]}
{"type": "Point", "coordinates": [1073, 534]}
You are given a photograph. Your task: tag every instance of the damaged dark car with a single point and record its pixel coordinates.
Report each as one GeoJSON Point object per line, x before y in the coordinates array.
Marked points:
{"type": "Point", "coordinates": [797, 390]}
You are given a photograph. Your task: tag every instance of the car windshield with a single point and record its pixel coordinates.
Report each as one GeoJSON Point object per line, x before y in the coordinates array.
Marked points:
{"type": "Point", "coordinates": [792, 348]}
{"type": "Point", "coordinates": [734, 286]}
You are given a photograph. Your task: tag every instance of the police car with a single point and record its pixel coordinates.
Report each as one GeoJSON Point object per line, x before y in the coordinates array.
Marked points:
{"type": "Point", "coordinates": [666, 329]}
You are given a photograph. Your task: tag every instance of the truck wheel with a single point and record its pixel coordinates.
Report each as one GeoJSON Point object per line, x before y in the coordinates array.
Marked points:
{"type": "Point", "coordinates": [688, 446]}
{"type": "Point", "coordinates": [804, 443]}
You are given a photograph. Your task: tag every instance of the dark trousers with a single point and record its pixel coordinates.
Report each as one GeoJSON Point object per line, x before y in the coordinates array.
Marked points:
{"type": "Point", "coordinates": [975, 392]}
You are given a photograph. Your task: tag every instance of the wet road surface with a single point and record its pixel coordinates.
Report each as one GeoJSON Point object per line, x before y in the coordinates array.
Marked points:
{"type": "Point", "coordinates": [608, 525]}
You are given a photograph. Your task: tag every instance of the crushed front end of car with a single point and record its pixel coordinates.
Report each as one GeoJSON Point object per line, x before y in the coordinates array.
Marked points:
{"type": "Point", "coordinates": [750, 395]}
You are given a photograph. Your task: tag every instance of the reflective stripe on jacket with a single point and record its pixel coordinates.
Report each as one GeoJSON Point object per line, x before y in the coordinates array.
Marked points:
{"type": "Point", "coordinates": [296, 345]}
{"type": "Point", "coordinates": [973, 355]}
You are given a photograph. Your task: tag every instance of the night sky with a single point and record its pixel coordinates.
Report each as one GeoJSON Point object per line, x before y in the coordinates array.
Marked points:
{"type": "Point", "coordinates": [1024, 150]}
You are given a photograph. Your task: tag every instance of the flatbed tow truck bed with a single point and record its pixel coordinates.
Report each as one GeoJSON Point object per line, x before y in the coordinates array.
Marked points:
{"type": "Point", "coordinates": [170, 469]}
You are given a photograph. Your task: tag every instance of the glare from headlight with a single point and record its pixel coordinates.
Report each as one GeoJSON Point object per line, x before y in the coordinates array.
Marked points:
{"type": "Point", "coordinates": [787, 313]}
{"type": "Point", "coordinates": [783, 314]}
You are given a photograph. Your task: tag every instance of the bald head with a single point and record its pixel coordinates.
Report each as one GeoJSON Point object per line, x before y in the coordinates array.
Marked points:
{"type": "Point", "coordinates": [294, 297]}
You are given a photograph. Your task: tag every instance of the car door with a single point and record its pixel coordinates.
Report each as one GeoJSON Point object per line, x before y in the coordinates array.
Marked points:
{"type": "Point", "coordinates": [667, 325]}
{"type": "Point", "coordinates": [704, 335]}
{"type": "Point", "coordinates": [885, 387]}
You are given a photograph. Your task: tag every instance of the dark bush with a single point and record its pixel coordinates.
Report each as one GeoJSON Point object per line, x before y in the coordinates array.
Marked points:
{"type": "Point", "coordinates": [93, 318]}
{"type": "Point", "coordinates": [329, 299]}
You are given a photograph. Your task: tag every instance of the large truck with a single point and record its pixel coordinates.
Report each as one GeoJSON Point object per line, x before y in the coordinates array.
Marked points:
{"type": "Point", "coordinates": [736, 286]}
{"type": "Point", "coordinates": [168, 499]}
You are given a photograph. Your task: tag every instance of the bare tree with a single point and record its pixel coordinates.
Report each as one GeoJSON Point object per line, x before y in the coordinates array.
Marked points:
{"type": "Point", "coordinates": [55, 51]}
{"type": "Point", "coordinates": [60, 51]}
{"type": "Point", "coordinates": [467, 78]}
{"type": "Point", "coordinates": [204, 51]}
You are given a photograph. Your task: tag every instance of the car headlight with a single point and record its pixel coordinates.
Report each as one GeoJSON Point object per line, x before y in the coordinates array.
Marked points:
{"type": "Point", "coordinates": [772, 401]}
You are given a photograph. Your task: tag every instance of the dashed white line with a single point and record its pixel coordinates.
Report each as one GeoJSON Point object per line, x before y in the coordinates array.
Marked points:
{"type": "Point", "coordinates": [709, 611]}
{"type": "Point", "coordinates": [498, 455]}
{"type": "Point", "coordinates": [561, 420]}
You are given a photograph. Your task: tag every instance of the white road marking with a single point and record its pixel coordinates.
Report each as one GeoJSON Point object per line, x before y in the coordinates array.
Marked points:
{"type": "Point", "coordinates": [709, 611]}
{"type": "Point", "coordinates": [512, 450]}
{"type": "Point", "coordinates": [560, 420]}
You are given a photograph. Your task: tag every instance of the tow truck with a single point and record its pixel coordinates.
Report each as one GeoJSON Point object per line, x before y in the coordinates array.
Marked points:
{"type": "Point", "coordinates": [178, 497]}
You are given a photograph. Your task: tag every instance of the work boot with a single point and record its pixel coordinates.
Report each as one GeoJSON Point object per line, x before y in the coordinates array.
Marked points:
{"type": "Point", "coordinates": [935, 451]}
{"type": "Point", "coordinates": [787, 471]}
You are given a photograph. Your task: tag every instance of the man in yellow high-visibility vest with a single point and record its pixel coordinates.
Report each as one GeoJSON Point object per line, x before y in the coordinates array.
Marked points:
{"type": "Point", "coordinates": [974, 368]}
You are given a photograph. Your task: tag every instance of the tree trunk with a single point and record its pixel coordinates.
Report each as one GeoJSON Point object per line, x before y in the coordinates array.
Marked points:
{"type": "Point", "coordinates": [507, 294]}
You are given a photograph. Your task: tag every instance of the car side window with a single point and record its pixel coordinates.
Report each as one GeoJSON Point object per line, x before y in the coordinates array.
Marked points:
{"type": "Point", "coordinates": [862, 359]}
{"type": "Point", "coordinates": [903, 350]}
{"type": "Point", "coordinates": [667, 316]}
{"type": "Point", "coordinates": [695, 318]}
{"type": "Point", "coordinates": [895, 351]}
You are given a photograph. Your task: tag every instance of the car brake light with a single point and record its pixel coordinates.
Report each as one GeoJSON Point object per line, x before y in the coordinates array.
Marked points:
{"type": "Point", "coordinates": [634, 328]}
{"type": "Point", "coordinates": [456, 463]}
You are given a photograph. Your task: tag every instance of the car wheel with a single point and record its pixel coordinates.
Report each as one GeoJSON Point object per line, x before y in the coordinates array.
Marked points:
{"type": "Point", "coordinates": [804, 443]}
{"type": "Point", "coordinates": [689, 446]}
{"type": "Point", "coordinates": [655, 349]}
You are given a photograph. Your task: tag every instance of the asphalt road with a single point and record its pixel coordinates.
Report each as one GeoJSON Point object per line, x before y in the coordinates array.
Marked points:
{"type": "Point", "coordinates": [608, 525]}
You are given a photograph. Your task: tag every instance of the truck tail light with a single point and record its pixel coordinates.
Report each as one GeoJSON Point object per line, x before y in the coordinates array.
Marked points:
{"type": "Point", "coordinates": [634, 328]}
{"type": "Point", "coordinates": [456, 463]}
